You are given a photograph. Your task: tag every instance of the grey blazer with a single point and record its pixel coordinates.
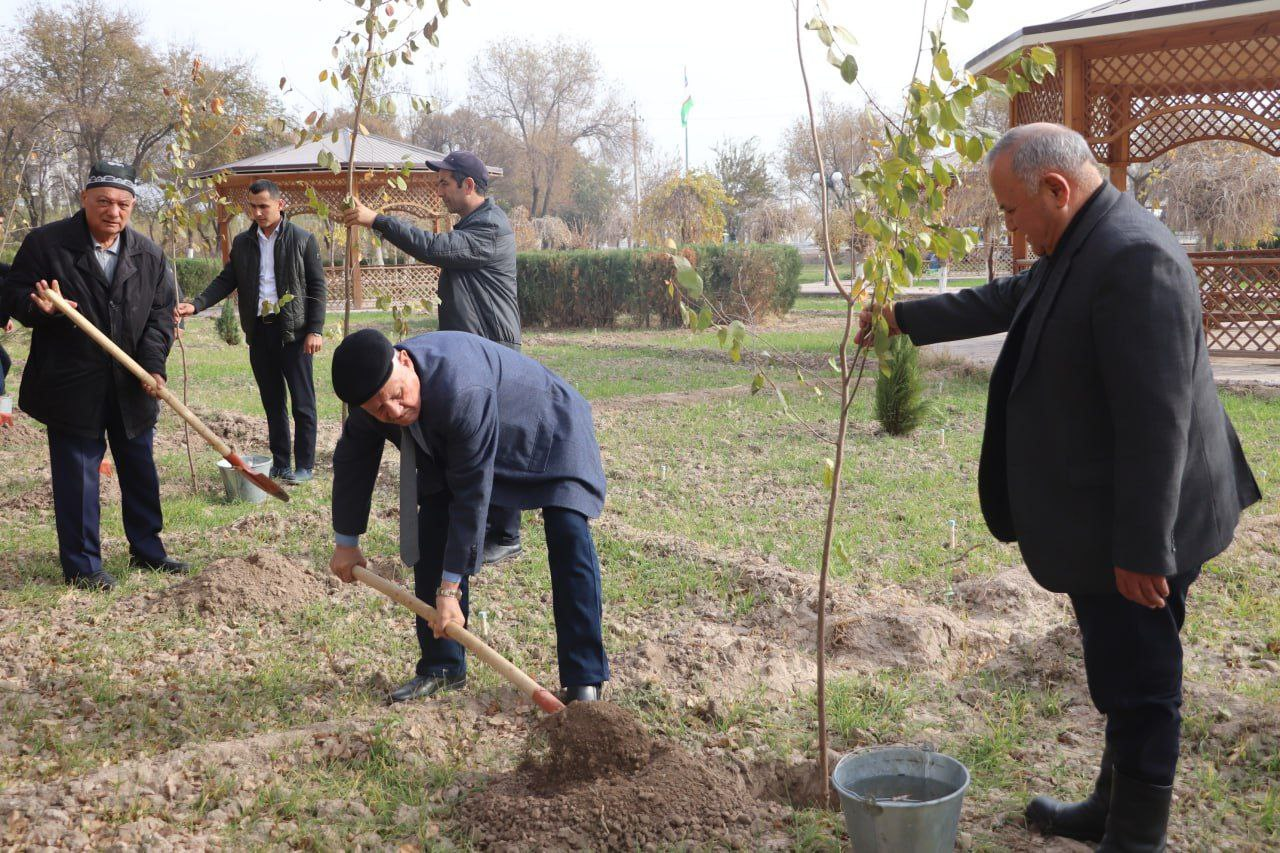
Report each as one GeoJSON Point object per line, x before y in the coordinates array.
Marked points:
{"type": "Point", "coordinates": [498, 428]}
{"type": "Point", "coordinates": [1105, 444]}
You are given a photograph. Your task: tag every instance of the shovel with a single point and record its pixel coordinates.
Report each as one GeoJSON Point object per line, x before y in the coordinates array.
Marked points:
{"type": "Point", "coordinates": [541, 696]}
{"type": "Point", "coordinates": [261, 481]}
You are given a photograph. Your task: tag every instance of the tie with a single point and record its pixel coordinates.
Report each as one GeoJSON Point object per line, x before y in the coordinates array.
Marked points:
{"type": "Point", "coordinates": [408, 499]}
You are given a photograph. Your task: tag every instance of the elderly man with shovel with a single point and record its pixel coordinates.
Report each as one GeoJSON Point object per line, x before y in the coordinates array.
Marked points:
{"type": "Point", "coordinates": [119, 281]}
{"type": "Point", "coordinates": [475, 422]}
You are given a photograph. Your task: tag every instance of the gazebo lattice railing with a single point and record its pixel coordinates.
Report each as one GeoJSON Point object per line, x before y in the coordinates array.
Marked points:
{"type": "Point", "coordinates": [1139, 78]}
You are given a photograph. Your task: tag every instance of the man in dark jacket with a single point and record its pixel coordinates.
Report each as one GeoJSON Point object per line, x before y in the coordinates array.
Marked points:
{"type": "Point", "coordinates": [119, 280]}
{"type": "Point", "coordinates": [474, 422]}
{"type": "Point", "coordinates": [477, 282]}
{"type": "Point", "coordinates": [276, 272]}
{"type": "Point", "coordinates": [1107, 455]}
{"type": "Point", "coordinates": [6, 326]}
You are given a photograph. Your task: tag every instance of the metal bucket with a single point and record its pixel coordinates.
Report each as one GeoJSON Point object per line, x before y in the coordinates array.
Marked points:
{"type": "Point", "coordinates": [240, 489]}
{"type": "Point", "coordinates": [899, 799]}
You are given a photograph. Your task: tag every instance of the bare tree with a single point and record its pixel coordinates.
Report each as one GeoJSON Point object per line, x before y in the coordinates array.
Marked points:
{"type": "Point", "coordinates": [846, 135]}
{"type": "Point", "coordinates": [551, 98]}
{"type": "Point", "coordinates": [1226, 191]}
{"type": "Point", "coordinates": [743, 171]}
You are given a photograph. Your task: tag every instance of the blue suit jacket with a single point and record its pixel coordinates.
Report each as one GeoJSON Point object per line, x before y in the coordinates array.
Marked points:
{"type": "Point", "coordinates": [496, 427]}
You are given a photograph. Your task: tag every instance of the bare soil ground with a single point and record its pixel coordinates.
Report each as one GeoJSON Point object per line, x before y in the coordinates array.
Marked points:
{"type": "Point", "coordinates": [133, 756]}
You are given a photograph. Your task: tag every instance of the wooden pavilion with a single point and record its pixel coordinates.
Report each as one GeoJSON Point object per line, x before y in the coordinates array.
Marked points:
{"type": "Point", "coordinates": [295, 169]}
{"type": "Point", "coordinates": [1139, 78]}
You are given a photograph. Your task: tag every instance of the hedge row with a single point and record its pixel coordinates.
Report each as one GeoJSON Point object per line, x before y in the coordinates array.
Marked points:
{"type": "Point", "coordinates": [594, 289]}
{"type": "Point", "coordinates": [194, 275]}
{"type": "Point", "coordinates": [597, 288]}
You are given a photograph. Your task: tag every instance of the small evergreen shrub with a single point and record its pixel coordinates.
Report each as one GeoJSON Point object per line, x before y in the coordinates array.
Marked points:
{"type": "Point", "coordinates": [900, 403]}
{"type": "Point", "coordinates": [229, 322]}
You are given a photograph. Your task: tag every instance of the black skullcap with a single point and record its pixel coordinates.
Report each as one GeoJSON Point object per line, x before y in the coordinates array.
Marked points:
{"type": "Point", "coordinates": [120, 176]}
{"type": "Point", "coordinates": [361, 366]}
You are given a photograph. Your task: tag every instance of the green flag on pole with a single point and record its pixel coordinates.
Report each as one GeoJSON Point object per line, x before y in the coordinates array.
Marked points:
{"type": "Point", "coordinates": [684, 111]}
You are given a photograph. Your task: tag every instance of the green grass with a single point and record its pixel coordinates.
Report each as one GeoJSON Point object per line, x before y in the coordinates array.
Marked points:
{"type": "Point", "coordinates": [727, 472]}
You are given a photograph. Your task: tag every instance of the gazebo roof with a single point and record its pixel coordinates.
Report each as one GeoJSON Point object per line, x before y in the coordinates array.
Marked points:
{"type": "Point", "coordinates": [372, 152]}
{"type": "Point", "coordinates": [1120, 17]}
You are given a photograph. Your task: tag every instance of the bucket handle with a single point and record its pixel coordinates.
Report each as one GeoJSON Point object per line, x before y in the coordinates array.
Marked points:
{"type": "Point", "coordinates": [871, 804]}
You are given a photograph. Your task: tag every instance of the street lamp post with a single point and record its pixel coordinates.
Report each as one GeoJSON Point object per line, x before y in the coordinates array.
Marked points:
{"type": "Point", "coordinates": [844, 197]}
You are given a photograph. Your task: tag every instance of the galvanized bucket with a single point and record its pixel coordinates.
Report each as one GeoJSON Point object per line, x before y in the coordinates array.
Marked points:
{"type": "Point", "coordinates": [240, 489]}
{"type": "Point", "coordinates": [918, 807]}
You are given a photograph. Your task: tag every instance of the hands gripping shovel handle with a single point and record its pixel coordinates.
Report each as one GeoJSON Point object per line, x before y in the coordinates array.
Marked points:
{"type": "Point", "coordinates": [540, 696]}
{"type": "Point", "coordinates": [262, 482]}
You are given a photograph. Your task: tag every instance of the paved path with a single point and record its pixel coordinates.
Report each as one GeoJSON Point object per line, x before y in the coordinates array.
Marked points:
{"type": "Point", "coordinates": [1227, 371]}
{"type": "Point", "coordinates": [983, 351]}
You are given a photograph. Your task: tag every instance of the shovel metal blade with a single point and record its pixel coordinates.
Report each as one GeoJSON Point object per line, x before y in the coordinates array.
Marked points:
{"type": "Point", "coordinates": [262, 481]}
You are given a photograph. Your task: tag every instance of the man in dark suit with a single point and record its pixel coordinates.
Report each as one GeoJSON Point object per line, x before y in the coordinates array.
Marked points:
{"type": "Point", "coordinates": [1107, 454]}
{"type": "Point", "coordinates": [276, 272]}
{"type": "Point", "coordinates": [476, 423]}
{"type": "Point", "coordinates": [119, 281]}
{"type": "Point", "coordinates": [477, 259]}
{"type": "Point", "coordinates": [6, 326]}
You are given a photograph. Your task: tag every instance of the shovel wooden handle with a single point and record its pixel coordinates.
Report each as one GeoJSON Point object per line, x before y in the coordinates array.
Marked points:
{"type": "Point", "coordinates": [540, 696]}
{"type": "Point", "coordinates": [164, 393]}
{"type": "Point", "coordinates": [137, 370]}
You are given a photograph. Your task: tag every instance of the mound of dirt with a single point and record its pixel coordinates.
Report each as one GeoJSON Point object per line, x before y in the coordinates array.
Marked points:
{"type": "Point", "coordinates": [593, 779]}
{"type": "Point", "coordinates": [265, 583]}
{"type": "Point", "coordinates": [1012, 592]}
{"type": "Point", "coordinates": [1052, 659]}
{"type": "Point", "coordinates": [23, 432]}
{"type": "Point", "coordinates": [713, 661]}
{"type": "Point", "coordinates": [594, 740]}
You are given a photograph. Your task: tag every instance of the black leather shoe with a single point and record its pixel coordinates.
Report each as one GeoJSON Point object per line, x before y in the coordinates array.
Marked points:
{"type": "Point", "coordinates": [422, 686]}
{"type": "Point", "coordinates": [496, 553]}
{"type": "Point", "coordinates": [167, 564]}
{"type": "Point", "coordinates": [99, 581]}
{"type": "Point", "coordinates": [1082, 821]}
{"type": "Point", "coordinates": [1139, 818]}
{"type": "Point", "coordinates": [579, 693]}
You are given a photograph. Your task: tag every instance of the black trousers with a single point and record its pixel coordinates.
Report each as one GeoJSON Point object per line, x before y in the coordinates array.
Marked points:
{"type": "Point", "coordinates": [502, 525]}
{"type": "Point", "coordinates": [74, 462]}
{"type": "Point", "coordinates": [5, 364]}
{"type": "Point", "coordinates": [575, 594]}
{"type": "Point", "coordinates": [277, 365]}
{"type": "Point", "coordinates": [1133, 662]}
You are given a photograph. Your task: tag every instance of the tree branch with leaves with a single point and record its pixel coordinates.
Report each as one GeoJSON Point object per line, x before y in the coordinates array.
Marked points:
{"type": "Point", "coordinates": [898, 198]}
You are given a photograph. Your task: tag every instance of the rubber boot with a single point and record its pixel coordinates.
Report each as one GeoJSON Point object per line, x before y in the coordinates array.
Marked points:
{"type": "Point", "coordinates": [1139, 818]}
{"type": "Point", "coordinates": [1082, 821]}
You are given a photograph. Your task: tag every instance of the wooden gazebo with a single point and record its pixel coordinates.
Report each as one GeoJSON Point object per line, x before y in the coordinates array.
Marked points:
{"type": "Point", "coordinates": [1139, 78]}
{"type": "Point", "coordinates": [295, 169]}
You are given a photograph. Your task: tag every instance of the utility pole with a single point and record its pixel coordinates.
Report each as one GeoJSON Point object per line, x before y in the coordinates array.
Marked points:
{"type": "Point", "coordinates": [635, 176]}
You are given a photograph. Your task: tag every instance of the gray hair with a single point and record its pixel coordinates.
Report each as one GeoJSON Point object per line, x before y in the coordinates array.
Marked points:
{"type": "Point", "coordinates": [1044, 147]}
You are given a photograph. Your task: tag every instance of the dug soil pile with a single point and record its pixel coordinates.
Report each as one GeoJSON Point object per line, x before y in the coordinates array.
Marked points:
{"type": "Point", "coordinates": [594, 779]}
{"type": "Point", "coordinates": [263, 583]}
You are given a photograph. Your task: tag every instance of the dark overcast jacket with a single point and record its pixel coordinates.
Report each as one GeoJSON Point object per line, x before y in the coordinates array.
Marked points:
{"type": "Point", "coordinates": [498, 428]}
{"type": "Point", "coordinates": [1106, 444]}
{"type": "Point", "coordinates": [299, 273]}
{"type": "Point", "coordinates": [67, 376]}
{"type": "Point", "coordinates": [478, 263]}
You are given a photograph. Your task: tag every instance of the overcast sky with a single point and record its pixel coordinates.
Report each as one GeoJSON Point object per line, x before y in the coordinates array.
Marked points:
{"type": "Point", "coordinates": [740, 54]}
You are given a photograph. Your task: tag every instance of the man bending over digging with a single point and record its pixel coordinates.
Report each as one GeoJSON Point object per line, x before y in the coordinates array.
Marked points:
{"type": "Point", "coordinates": [475, 422]}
